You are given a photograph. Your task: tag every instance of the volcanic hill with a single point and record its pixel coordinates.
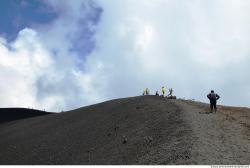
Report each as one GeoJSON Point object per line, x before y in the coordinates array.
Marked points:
{"type": "Point", "coordinates": [138, 130]}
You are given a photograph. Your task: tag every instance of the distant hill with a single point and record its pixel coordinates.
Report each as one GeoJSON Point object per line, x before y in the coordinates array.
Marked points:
{"type": "Point", "coordinates": [143, 130]}
{"type": "Point", "coordinates": [10, 114]}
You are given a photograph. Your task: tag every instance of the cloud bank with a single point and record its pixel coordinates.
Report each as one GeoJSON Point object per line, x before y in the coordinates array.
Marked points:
{"type": "Point", "coordinates": [99, 50]}
{"type": "Point", "coordinates": [192, 46]}
{"type": "Point", "coordinates": [43, 68]}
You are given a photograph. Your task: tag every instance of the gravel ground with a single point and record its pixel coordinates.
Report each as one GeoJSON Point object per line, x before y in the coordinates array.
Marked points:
{"type": "Point", "coordinates": [220, 138]}
{"type": "Point", "coordinates": [139, 130]}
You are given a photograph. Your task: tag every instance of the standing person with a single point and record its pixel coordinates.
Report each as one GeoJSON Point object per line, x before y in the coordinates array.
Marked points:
{"type": "Point", "coordinates": [213, 97]}
{"type": "Point", "coordinates": [170, 92]}
{"type": "Point", "coordinates": [163, 90]}
{"type": "Point", "coordinates": [147, 91]}
{"type": "Point", "coordinates": [157, 93]}
{"type": "Point", "coordinates": [144, 92]}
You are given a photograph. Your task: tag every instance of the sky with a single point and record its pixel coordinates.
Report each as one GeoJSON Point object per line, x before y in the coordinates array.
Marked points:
{"type": "Point", "coordinates": [60, 55]}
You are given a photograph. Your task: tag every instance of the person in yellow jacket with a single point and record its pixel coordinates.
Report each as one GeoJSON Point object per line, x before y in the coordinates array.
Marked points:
{"type": "Point", "coordinates": [163, 90]}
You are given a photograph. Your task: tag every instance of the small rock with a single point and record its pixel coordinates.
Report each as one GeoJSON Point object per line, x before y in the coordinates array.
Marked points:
{"type": "Point", "coordinates": [109, 134]}
{"type": "Point", "coordinates": [91, 150]}
{"type": "Point", "coordinates": [116, 128]}
{"type": "Point", "coordinates": [137, 108]}
{"type": "Point", "coordinates": [125, 140]}
{"type": "Point", "coordinates": [149, 139]}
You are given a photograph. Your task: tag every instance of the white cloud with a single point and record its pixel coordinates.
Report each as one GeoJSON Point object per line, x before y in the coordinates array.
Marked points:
{"type": "Point", "coordinates": [42, 69]}
{"type": "Point", "coordinates": [30, 77]}
{"type": "Point", "coordinates": [192, 46]}
{"type": "Point", "coordinates": [22, 63]}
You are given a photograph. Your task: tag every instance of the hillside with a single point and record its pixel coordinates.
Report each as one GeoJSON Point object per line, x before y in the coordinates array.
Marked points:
{"type": "Point", "coordinates": [11, 114]}
{"type": "Point", "coordinates": [138, 130]}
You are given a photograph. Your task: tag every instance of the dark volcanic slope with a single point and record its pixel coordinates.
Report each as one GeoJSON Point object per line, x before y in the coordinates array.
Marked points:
{"type": "Point", "coordinates": [139, 130]}
{"type": "Point", "coordinates": [97, 134]}
{"type": "Point", "coordinates": [10, 114]}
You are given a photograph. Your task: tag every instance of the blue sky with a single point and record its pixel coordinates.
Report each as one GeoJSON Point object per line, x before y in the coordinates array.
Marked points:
{"type": "Point", "coordinates": [15, 15]}
{"type": "Point", "coordinates": [61, 55]}
{"type": "Point", "coordinates": [64, 32]}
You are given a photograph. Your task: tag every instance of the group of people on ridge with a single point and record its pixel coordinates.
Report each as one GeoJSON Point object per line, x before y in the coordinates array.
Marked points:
{"type": "Point", "coordinates": [212, 96]}
{"type": "Point", "coordinates": [163, 91]}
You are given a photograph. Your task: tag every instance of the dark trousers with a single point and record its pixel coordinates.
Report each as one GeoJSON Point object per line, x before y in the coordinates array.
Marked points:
{"type": "Point", "coordinates": [213, 106]}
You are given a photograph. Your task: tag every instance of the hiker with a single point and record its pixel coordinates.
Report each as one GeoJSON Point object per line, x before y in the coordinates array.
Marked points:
{"type": "Point", "coordinates": [163, 90]}
{"type": "Point", "coordinates": [157, 93]}
{"type": "Point", "coordinates": [170, 92]}
{"type": "Point", "coordinates": [147, 91]}
{"type": "Point", "coordinates": [213, 97]}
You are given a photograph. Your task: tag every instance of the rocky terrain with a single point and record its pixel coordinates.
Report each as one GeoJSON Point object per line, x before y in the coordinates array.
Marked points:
{"type": "Point", "coordinates": [139, 130]}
